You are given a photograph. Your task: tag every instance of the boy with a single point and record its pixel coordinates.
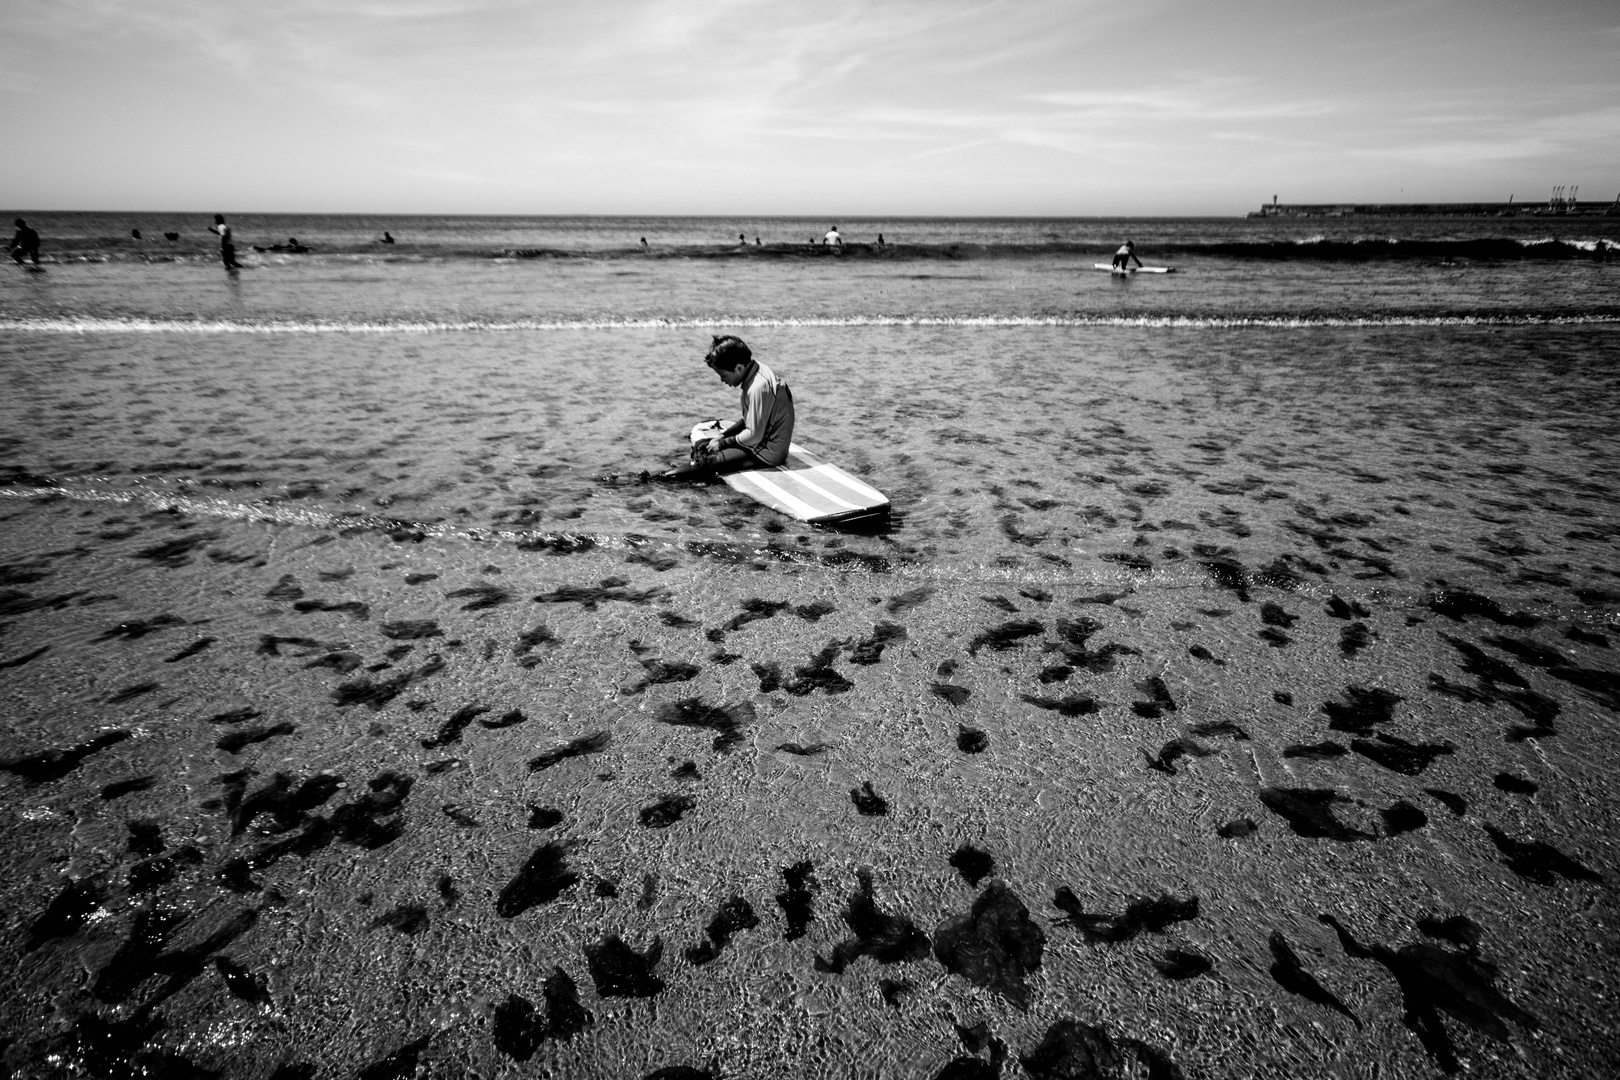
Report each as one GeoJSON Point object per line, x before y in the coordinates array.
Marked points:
{"type": "Point", "coordinates": [760, 439]}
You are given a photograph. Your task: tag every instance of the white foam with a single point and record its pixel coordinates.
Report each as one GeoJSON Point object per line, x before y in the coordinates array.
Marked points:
{"type": "Point", "coordinates": [98, 325]}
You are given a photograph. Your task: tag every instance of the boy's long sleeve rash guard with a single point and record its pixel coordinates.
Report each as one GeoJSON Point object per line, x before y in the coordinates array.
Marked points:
{"type": "Point", "coordinates": [767, 423]}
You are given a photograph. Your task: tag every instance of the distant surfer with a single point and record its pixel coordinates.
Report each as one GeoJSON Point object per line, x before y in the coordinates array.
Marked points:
{"type": "Point", "coordinates": [833, 237]}
{"type": "Point", "coordinates": [760, 439]}
{"type": "Point", "coordinates": [24, 244]}
{"type": "Point", "coordinates": [1124, 255]}
{"type": "Point", "coordinates": [227, 250]}
{"type": "Point", "coordinates": [386, 239]}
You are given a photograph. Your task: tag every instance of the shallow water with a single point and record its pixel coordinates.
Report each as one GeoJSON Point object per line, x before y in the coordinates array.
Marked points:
{"type": "Point", "coordinates": [1318, 502]}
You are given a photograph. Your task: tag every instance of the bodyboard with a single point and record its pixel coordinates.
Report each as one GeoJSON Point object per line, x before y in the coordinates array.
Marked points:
{"type": "Point", "coordinates": [1135, 270]}
{"type": "Point", "coordinates": [803, 487]}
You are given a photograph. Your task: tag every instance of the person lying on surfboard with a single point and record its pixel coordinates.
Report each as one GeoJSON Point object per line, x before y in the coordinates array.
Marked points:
{"type": "Point", "coordinates": [760, 439]}
{"type": "Point", "coordinates": [1123, 257]}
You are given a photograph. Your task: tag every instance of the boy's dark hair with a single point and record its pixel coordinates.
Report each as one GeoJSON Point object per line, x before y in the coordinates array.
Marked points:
{"type": "Point", "coordinates": [729, 352]}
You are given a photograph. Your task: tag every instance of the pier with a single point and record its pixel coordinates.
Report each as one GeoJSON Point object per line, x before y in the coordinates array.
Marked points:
{"type": "Point", "coordinates": [1564, 208]}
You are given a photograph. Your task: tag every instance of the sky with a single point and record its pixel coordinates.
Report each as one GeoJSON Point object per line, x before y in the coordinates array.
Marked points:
{"type": "Point", "coordinates": [836, 107]}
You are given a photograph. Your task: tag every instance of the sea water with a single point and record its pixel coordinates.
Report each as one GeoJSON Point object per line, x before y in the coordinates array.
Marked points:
{"type": "Point", "coordinates": [1371, 428]}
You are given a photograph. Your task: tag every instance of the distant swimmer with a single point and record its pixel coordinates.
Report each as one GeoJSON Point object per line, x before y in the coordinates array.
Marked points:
{"type": "Point", "coordinates": [171, 237]}
{"type": "Point", "coordinates": [135, 234]}
{"type": "Point", "coordinates": [227, 250]}
{"type": "Point", "coordinates": [757, 243]}
{"type": "Point", "coordinates": [833, 237]}
{"type": "Point", "coordinates": [1124, 255]}
{"type": "Point", "coordinates": [742, 239]}
{"type": "Point", "coordinates": [25, 243]}
{"type": "Point", "coordinates": [881, 244]}
{"type": "Point", "coordinates": [643, 241]}
{"type": "Point", "coordinates": [761, 438]}
{"type": "Point", "coordinates": [387, 239]}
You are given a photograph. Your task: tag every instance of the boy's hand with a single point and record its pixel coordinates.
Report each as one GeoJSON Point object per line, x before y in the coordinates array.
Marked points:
{"type": "Point", "coordinates": [713, 446]}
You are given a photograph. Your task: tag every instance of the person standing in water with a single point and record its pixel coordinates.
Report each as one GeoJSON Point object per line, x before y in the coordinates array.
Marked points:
{"type": "Point", "coordinates": [24, 244]}
{"type": "Point", "coordinates": [1124, 255]}
{"type": "Point", "coordinates": [227, 250]}
{"type": "Point", "coordinates": [833, 237]}
{"type": "Point", "coordinates": [761, 438]}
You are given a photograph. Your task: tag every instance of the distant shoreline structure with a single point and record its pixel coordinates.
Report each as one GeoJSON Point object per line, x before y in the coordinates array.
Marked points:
{"type": "Point", "coordinates": [1553, 208]}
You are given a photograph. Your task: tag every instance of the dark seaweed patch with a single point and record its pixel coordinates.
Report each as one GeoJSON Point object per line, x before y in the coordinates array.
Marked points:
{"type": "Point", "coordinates": [666, 811]}
{"type": "Point", "coordinates": [1151, 914]}
{"type": "Point", "coordinates": [1402, 817]}
{"type": "Point", "coordinates": [1209, 728]}
{"type": "Point", "coordinates": [1537, 860]}
{"type": "Point", "coordinates": [119, 788]}
{"type": "Point", "coordinates": [1458, 604]}
{"type": "Point", "coordinates": [620, 971]}
{"type": "Point", "coordinates": [801, 750]}
{"type": "Point", "coordinates": [728, 721]}
{"type": "Point", "coordinates": [1354, 638]}
{"type": "Point", "coordinates": [54, 764]}
{"type": "Point", "coordinates": [869, 650]}
{"type": "Point", "coordinates": [819, 674]}
{"type": "Point", "coordinates": [1401, 756]}
{"type": "Point", "coordinates": [139, 628]}
{"type": "Point", "coordinates": [1518, 785]}
{"type": "Point", "coordinates": [188, 652]}
{"type": "Point", "coordinates": [1237, 829]}
{"type": "Point", "coordinates": [1487, 668]}
{"type": "Point", "coordinates": [888, 939]}
{"type": "Point", "coordinates": [68, 910]}
{"type": "Point", "coordinates": [912, 598]}
{"type": "Point", "coordinates": [1159, 700]}
{"type": "Point", "coordinates": [585, 744]}
{"type": "Point", "coordinates": [970, 740]}
{"type": "Point", "coordinates": [1273, 615]}
{"type": "Point", "coordinates": [539, 881]}
{"type": "Point", "coordinates": [129, 693]}
{"type": "Point", "coordinates": [376, 695]}
{"type": "Point", "coordinates": [1345, 609]}
{"type": "Point", "coordinates": [1173, 751]}
{"type": "Point", "coordinates": [1322, 751]}
{"type": "Point", "coordinates": [1228, 573]}
{"type": "Point", "coordinates": [411, 629]}
{"type": "Point", "coordinates": [356, 608]}
{"type": "Point", "coordinates": [754, 609]}
{"type": "Point", "coordinates": [13, 602]}
{"type": "Point", "coordinates": [1070, 705]}
{"type": "Point", "coordinates": [1460, 930]}
{"type": "Point", "coordinates": [539, 635]}
{"type": "Point", "coordinates": [483, 596]}
{"type": "Point", "coordinates": [19, 661]}
{"type": "Point", "coordinates": [611, 589]}
{"type": "Point", "coordinates": [1453, 802]}
{"type": "Point", "coordinates": [734, 915]}
{"type": "Point", "coordinates": [1365, 710]}
{"type": "Point", "coordinates": [1179, 964]}
{"type": "Point", "coordinates": [1291, 975]}
{"type": "Point", "coordinates": [1309, 812]}
{"type": "Point", "coordinates": [867, 801]}
{"type": "Point", "coordinates": [996, 945]}
{"type": "Point", "coordinates": [797, 901]}
{"type": "Point", "coordinates": [974, 865]}
{"type": "Point", "coordinates": [507, 719]}
{"type": "Point", "coordinates": [176, 553]}
{"type": "Point", "coordinates": [399, 1065]}
{"type": "Point", "coordinates": [1071, 1050]}
{"type": "Point", "coordinates": [660, 672]}
{"type": "Point", "coordinates": [544, 817]}
{"type": "Point", "coordinates": [1434, 980]}
{"type": "Point", "coordinates": [956, 695]}
{"type": "Point", "coordinates": [410, 919]}
{"type": "Point", "coordinates": [285, 589]}
{"type": "Point", "coordinates": [236, 740]}
{"type": "Point", "coordinates": [1006, 636]}
{"type": "Point", "coordinates": [242, 983]}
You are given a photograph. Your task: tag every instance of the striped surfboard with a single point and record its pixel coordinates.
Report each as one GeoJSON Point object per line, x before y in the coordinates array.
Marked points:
{"type": "Point", "coordinates": [805, 487]}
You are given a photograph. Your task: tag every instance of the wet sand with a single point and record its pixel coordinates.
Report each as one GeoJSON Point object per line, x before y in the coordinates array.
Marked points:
{"type": "Point", "coordinates": [299, 802]}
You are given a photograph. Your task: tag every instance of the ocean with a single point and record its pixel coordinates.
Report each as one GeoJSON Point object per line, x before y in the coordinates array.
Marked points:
{"type": "Point", "coordinates": [367, 709]}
